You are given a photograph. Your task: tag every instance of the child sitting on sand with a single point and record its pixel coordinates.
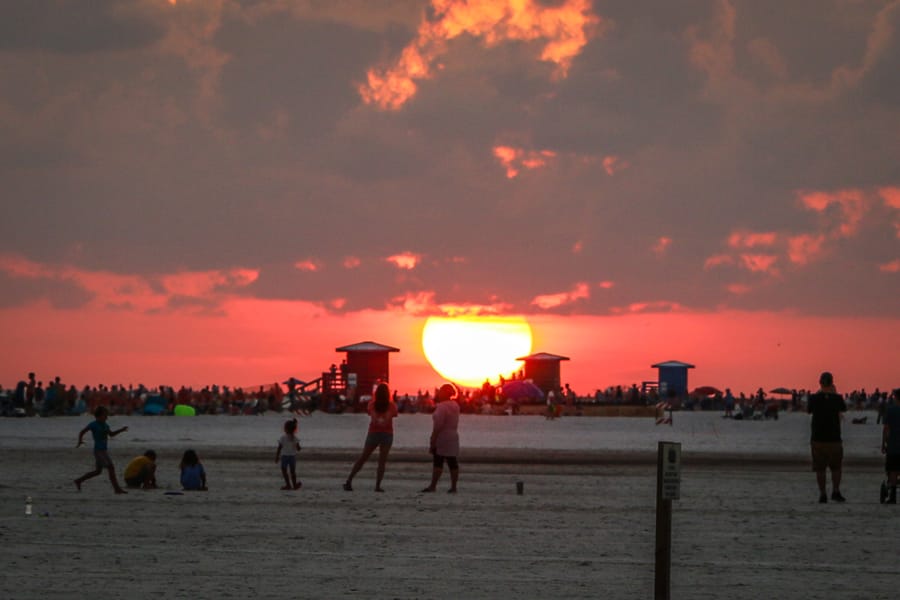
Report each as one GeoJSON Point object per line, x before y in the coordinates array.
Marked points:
{"type": "Point", "coordinates": [193, 476]}
{"type": "Point", "coordinates": [288, 445]}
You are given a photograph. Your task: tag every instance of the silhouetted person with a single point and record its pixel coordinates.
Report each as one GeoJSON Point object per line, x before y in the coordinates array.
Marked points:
{"type": "Point", "coordinates": [444, 444]}
{"type": "Point", "coordinates": [826, 407]}
{"type": "Point", "coordinates": [890, 446]}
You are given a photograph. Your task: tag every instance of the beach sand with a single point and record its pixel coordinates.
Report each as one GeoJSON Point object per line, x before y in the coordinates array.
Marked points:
{"type": "Point", "coordinates": [741, 530]}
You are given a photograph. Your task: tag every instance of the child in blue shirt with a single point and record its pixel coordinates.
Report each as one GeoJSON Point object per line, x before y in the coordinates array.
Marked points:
{"type": "Point", "coordinates": [101, 432]}
{"type": "Point", "coordinates": [193, 476]}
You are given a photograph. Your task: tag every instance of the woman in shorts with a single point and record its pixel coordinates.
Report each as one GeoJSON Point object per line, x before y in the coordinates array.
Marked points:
{"type": "Point", "coordinates": [382, 412]}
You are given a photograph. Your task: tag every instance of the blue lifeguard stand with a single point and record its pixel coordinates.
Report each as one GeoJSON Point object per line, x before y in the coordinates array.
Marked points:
{"type": "Point", "coordinates": [673, 378]}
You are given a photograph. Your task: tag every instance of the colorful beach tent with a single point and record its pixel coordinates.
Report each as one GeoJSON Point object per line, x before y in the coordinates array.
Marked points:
{"type": "Point", "coordinates": [183, 410]}
{"type": "Point", "coordinates": [154, 405]}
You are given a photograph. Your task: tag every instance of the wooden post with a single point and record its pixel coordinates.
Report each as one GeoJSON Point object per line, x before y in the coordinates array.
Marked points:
{"type": "Point", "coordinates": [668, 480]}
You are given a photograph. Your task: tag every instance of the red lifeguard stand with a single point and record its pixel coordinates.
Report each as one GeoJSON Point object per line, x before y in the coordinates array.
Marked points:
{"type": "Point", "coordinates": [543, 369]}
{"type": "Point", "coordinates": [367, 364]}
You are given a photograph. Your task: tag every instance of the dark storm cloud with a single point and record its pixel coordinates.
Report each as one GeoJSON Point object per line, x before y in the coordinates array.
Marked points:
{"type": "Point", "coordinates": [250, 147]}
{"type": "Point", "coordinates": [18, 291]}
{"type": "Point", "coordinates": [71, 26]}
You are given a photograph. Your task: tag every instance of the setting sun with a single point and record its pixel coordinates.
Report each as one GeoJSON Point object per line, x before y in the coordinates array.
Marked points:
{"type": "Point", "coordinates": [468, 350]}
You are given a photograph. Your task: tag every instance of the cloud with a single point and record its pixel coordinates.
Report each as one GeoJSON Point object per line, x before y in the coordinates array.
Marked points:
{"type": "Point", "coordinates": [223, 144]}
{"type": "Point", "coordinates": [804, 248]}
{"type": "Point", "coordinates": [760, 263]}
{"type": "Point", "coordinates": [738, 288]}
{"type": "Point", "coordinates": [351, 262]}
{"type": "Point", "coordinates": [424, 303]}
{"type": "Point", "coordinates": [614, 164]}
{"type": "Point", "coordinates": [515, 159]}
{"type": "Point", "coordinates": [309, 265]}
{"type": "Point", "coordinates": [841, 215]}
{"type": "Point", "coordinates": [843, 210]}
{"type": "Point", "coordinates": [564, 27]}
{"type": "Point", "coordinates": [159, 292]}
{"type": "Point", "coordinates": [405, 260]}
{"type": "Point", "coordinates": [890, 267]}
{"type": "Point", "coordinates": [745, 239]}
{"type": "Point", "coordinates": [580, 291]}
{"type": "Point", "coordinates": [77, 27]}
{"type": "Point", "coordinates": [661, 246]}
{"type": "Point", "coordinates": [718, 260]}
{"type": "Point", "coordinates": [656, 306]}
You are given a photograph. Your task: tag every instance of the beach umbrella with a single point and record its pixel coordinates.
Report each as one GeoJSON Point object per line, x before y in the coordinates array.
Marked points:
{"type": "Point", "coordinates": [184, 410]}
{"type": "Point", "coordinates": [781, 390]}
{"type": "Point", "coordinates": [520, 388]}
{"type": "Point", "coordinates": [706, 390]}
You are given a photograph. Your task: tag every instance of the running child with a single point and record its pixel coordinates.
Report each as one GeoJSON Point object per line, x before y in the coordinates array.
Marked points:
{"type": "Point", "coordinates": [101, 432]}
{"type": "Point", "coordinates": [286, 454]}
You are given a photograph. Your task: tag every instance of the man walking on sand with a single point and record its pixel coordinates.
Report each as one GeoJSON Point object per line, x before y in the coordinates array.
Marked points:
{"type": "Point", "coordinates": [826, 407]}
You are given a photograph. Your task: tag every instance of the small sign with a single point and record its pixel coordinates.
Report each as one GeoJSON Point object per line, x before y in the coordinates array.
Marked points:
{"type": "Point", "coordinates": [671, 470]}
{"type": "Point", "coordinates": [351, 379]}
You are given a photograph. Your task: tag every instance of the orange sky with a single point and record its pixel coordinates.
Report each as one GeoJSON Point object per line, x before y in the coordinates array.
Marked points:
{"type": "Point", "coordinates": [258, 341]}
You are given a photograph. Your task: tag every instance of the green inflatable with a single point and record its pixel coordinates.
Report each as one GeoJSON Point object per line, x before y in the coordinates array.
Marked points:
{"type": "Point", "coordinates": [183, 410]}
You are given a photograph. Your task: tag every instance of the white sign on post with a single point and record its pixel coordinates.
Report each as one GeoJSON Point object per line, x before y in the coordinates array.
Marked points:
{"type": "Point", "coordinates": [671, 471]}
{"type": "Point", "coordinates": [351, 379]}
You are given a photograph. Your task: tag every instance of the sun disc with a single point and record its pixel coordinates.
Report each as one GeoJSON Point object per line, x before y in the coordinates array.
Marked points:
{"type": "Point", "coordinates": [469, 350]}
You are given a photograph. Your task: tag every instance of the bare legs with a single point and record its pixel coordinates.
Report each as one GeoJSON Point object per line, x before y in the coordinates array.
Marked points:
{"type": "Point", "coordinates": [836, 482]}
{"type": "Point", "coordinates": [454, 477]}
{"type": "Point", "coordinates": [835, 485]}
{"type": "Point", "coordinates": [112, 479]}
{"type": "Point", "coordinates": [382, 463]}
{"type": "Point", "coordinates": [383, 451]}
{"type": "Point", "coordinates": [290, 478]}
{"type": "Point", "coordinates": [436, 475]}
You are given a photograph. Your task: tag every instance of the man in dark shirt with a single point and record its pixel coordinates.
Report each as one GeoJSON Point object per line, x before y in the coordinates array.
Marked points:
{"type": "Point", "coordinates": [826, 407]}
{"type": "Point", "coordinates": [890, 447]}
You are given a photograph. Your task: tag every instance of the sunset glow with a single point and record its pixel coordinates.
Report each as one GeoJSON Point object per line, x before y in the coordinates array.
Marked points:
{"type": "Point", "coordinates": [201, 193]}
{"type": "Point", "coordinates": [470, 350]}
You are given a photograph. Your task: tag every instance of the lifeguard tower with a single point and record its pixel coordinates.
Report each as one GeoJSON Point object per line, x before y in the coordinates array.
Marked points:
{"type": "Point", "coordinates": [673, 378]}
{"type": "Point", "coordinates": [543, 369]}
{"type": "Point", "coordinates": [367, 363]}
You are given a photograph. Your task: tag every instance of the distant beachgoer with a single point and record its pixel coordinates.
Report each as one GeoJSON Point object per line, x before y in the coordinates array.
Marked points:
{"type": "Point", "coordinates": [882, 409]}
{"type": "Point", "coordinates": [551, 405]}
{"type": "Point", "coordinates": [101, 432]}
{"type": "Point", "coordinates": [729, 403]}
{"type": "Point", "coordinates": [286, 454]}
{"type": "Point", "coordinates": [444, 443]}
{"type": "Point", "coordinates": [826, 407]}
{"type": "Point", "coordinates": [29, 395]}
{"type": "Point", "coordinates": [890, 446]}
{"type": "Point", "coordinates": [141, 471]}
{"type": "Point", "coordinates": [193, 475]}
{"type": "Point", "coordinates": [382, 412]}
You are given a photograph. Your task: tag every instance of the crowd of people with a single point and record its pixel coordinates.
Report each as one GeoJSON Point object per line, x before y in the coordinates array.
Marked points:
{"type": "Point", "coordinates": [32, 397]}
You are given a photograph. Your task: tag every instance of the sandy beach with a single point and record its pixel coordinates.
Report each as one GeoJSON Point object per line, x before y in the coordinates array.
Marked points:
{"type": "Point", "coordinates": [746, 526]}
